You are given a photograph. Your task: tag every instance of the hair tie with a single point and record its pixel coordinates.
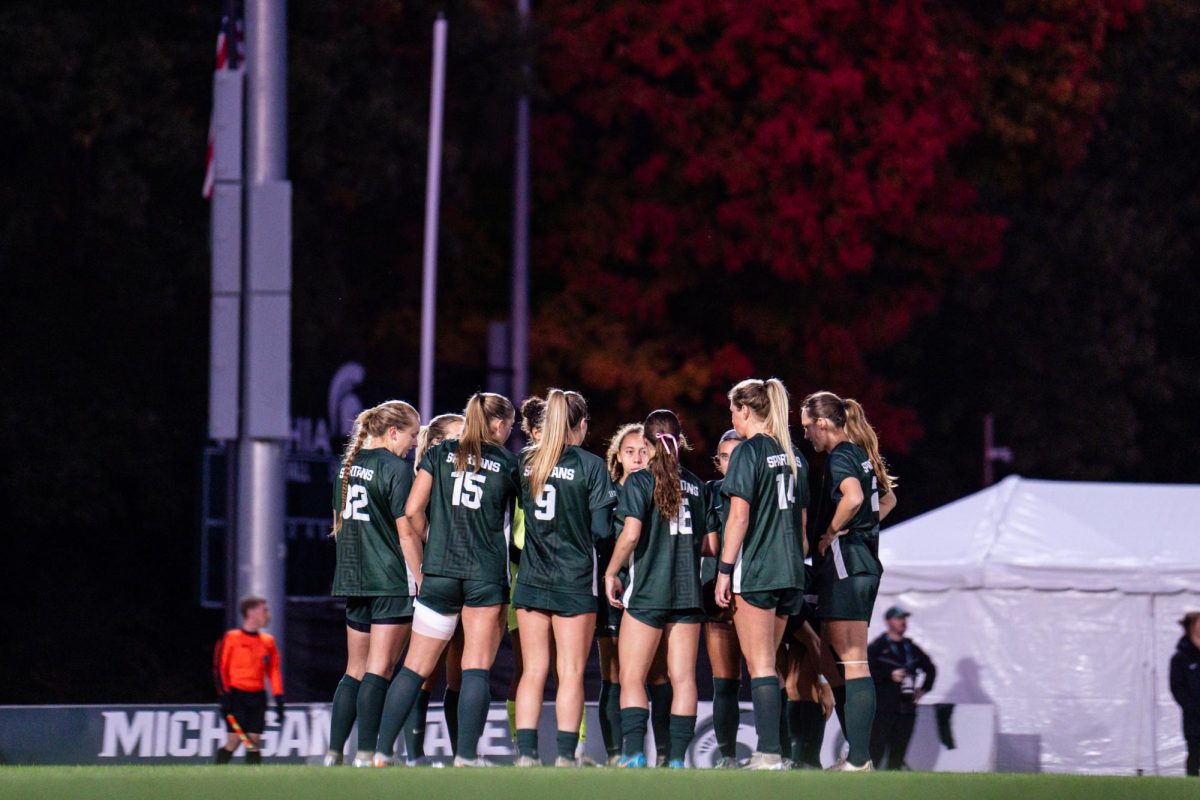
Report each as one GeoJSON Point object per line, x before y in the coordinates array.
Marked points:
{"type": "Point", "coordinates": [669, 441]}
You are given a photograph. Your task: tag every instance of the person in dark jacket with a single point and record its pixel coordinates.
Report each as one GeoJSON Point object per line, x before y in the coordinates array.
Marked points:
{"type": "Point", "coordinates": [897, 664]}
{"type": "Point", "coordinates": [1185, 686]}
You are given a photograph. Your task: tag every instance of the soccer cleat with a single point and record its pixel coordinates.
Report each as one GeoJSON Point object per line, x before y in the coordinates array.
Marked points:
{"type": "Point", "coordinates": [332, 759]}
{"type": "Point", "coordinates": [788, 763]}
{"type": "Point", "coordinates": [563, 761]}
{"type": "Point", "coordinates": [364, 759]}
{"type": "Point", "coordinates": [765, 761]}
{"type": "Point", "coordinates": [459, 761]}
{"type": "Point", "coordinates": [382, 760]}
{"type": "Point", "coordinates": [725, 762]}
{"type": "Point", "coordinates": [676, 763]}
{"type": "Point", "coordinates": [613, 760]}
{"type": "Point", "coordinates": [844, 765]}
{"type": "Point", "coordinates": [526, 761]}
{"type": "Point", "coordinates": [661, 761]}
{"type": "Point", "coordinates": [637, 761]}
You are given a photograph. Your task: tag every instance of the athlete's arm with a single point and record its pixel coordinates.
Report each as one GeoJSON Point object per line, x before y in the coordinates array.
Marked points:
{"type": "Point", "coordinates": [886, 504]}
{"type": "Point", "coordinates": [418, 499]}
{"type": "Point", "coordinates": [847, 507]}
{"type": "Point", "coordinates": [710, 545]}
{"type": "Point", "coordinates": [735, 532]}
{"type": "Point", "coordinates": [626, 542]}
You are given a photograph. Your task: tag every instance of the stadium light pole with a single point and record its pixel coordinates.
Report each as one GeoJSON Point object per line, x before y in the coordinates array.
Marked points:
{"type": "Point", "coordinates": [433, 179]}
{"type": "Point", "coordinates": [520, 246]}
{"type": "Point", "coordinates": [266, 325]}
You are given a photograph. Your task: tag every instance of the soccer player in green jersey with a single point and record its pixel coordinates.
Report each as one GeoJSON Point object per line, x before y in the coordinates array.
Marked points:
{"type": "Point", "coordinates": [720, 638]}
{"type": "Point", "coordinates": [847, 559]}
{"type": "Point", "coordinates": [459, 549]}
{"type": "Point", "coordinates": [439, 429]}
{"type": "Point", "coordinates": [532, 411]}
{"type": "Point", "coordinates": [627, 453]}
{"type": "Point", "coordinates": [664, 512]}
{"type": "Point", "coordinates": [761, 571]}
{"type": "Point", "coordinates": [565, 492]}
{"type": "Point", "coordinates": [368, 503]}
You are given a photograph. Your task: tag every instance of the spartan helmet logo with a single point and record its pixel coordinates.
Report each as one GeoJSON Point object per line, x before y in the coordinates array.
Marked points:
{"type": "Point", "coordinates": [344, 404]}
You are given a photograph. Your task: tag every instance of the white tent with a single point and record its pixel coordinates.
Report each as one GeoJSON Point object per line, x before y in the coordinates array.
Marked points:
{"type": "Point", "coordinates": [1058, 603]}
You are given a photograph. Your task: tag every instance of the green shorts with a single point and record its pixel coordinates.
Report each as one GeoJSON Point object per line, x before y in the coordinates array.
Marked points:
{"type": "Point", "coordinates": [852, 597]}
{"type": "Point", "coordinates": [662, 617]}
{"type": "Point", "coordinates": [449, 595]}
{"type": "Point", "coordinates": [362, 612]}
{"type": "Point", "coordinates": [560, 604]}
{"type": "Point", "coordinates": [608, 619]}
{"type": "Point", "coordinates": [784, 602]}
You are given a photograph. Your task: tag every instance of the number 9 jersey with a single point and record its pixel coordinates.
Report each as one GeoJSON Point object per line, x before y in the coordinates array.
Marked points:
{"type": "Point", "coordinates": [369, 561]}
{"type": "Point", "coordinates": [470, 513]}
{"type": "Point", "coordinates": [559, 552]}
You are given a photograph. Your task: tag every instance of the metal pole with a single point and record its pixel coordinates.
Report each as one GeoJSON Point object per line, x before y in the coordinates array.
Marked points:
{"type": "Point", "coordinates": [266, 351]}
{"type": "Point", "coordinates": [433, 177]}
{"type": "Point", "coordinates": [520, 272]}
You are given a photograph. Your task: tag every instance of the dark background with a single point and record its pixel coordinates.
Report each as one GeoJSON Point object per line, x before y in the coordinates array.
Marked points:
{"type": "Point", "coordinates": [1077, 327]}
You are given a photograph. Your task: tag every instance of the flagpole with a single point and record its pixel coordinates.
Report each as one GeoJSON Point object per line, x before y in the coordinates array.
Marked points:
{"type": "Point", "coordinates": [520, 247]}
{"type": "Point", "coordinates": [432, 197]}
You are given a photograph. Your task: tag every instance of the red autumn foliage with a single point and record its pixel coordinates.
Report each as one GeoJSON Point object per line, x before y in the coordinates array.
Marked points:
{"type": "Point", "coordinates": [754, 187]}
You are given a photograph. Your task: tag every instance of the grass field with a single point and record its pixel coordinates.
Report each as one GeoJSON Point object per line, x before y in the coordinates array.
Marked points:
{"type": "Point", "coordinates": [237, 782]}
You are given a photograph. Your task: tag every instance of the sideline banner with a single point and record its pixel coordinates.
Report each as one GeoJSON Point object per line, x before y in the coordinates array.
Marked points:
{"type": "Point", "coordinates": [186, 734]}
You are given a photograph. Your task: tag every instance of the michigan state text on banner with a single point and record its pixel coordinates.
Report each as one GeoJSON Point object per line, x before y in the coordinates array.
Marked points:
{"type": "Point", "coordinates": [184, 734]}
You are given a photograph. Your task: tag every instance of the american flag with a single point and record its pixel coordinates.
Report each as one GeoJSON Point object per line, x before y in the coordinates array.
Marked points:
{"type": "Point", "coordinates": [232, 30]}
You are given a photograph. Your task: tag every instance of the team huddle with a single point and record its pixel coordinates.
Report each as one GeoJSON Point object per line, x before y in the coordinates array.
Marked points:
{"type": "Point", "coordinates": [560, 547]}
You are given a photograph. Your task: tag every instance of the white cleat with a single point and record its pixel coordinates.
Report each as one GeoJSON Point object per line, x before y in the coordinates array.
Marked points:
{"type": "Point", "coordinates": [765, 761]}
{"type": "Point", "coordinates": [612, 760]}
{"type": "Point", "coordinates": [382, 760]}
{"type": "Point", "coordinates": [526, 761]}
{"type": "Point", "coordinates": [459, 761]}
{"type": "Point", "coordinates": [364, 759]}
{"type": "Point", "coordinates": [332, 759]}
{"type": "Point", "coordinates": [563, 761]}
{"type": "Point", "coordinates": [660, 762]}
{"type": "Point", "coordinates": [843, 765]}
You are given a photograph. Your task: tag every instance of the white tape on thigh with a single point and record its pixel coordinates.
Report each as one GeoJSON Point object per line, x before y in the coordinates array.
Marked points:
{"type": "Point", "coordinates": [428, 622]}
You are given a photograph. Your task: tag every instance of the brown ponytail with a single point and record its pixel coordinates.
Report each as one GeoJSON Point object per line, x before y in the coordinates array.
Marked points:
{"type": "Point", "coordinates": [768, 400]}
{"type": "Point", "coordinates": [564, 412]}
{"type": "Point", "coordinates": [482, 408]}
{"type": "Point", "coordinates": [372, 422]}
{"type": "Point", "coordinates": [662, 430]}
{"type": "Point", "coordinates": [849, 415]}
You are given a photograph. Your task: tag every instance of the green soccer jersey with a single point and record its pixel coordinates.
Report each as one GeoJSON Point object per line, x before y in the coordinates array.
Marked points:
{"type": "Point", "coordinates": [470, 513]}
{"type": "Point", "coordinates": [857, 552]}
{"type": "Point", "coordinates": [772, 554]}
{"type": "Point", "coordinates": [664, 569]}
{"type": "Point", "coordinates": [369, 561]}
{"type": "Point", "coordinates": [559, 553]}
{"type": "Point", "coordinates": [718, 513]}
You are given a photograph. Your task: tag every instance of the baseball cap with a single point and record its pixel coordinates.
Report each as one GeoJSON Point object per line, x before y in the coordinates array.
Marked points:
{"type": "Point", "coordinates": [896, 612]}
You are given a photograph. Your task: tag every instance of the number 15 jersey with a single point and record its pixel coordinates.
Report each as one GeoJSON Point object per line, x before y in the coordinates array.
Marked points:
{"type": "Point", "coordinates": [470, 513]}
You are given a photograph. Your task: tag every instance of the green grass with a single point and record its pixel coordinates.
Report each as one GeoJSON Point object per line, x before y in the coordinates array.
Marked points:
{"type": "Point", "coordinates": [237, 782]}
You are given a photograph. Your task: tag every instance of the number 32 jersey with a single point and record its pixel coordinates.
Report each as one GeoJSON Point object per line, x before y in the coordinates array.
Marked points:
{"type": "Point", "coordinates": [470, 513]}
{"type": "Point", "coordinates": [369, 561]}
{"type": "Point", "coordinates": [559, 551]}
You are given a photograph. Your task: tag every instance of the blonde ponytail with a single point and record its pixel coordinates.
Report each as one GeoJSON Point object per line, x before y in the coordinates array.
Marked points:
{"type": "Point", "coordinates": [777, 421]}
{"type": "Point", "coordinates": [434, 433]}
{"type": "Point", "coordinates": [565, 410]}
{"type": "Point", "coordinates": [768, 400]}
{"type": "Point", "coordinates": [481, 409]}
{"type": "Point", "coordinates": [859, 431]}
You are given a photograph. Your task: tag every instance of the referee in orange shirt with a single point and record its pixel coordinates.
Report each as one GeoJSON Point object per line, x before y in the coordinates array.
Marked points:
{"type": "Point", "coordinates": [243, 661]}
